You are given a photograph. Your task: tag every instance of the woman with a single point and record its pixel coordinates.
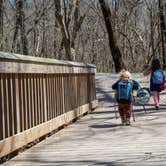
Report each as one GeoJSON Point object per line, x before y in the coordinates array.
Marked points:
{"type": "Point", "coordinates": [156, 79]}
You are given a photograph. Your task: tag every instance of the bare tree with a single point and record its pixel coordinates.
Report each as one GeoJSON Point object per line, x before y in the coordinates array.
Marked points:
{"type": "Point", "coordinates": [163, 31]}
{"type": "Point", "coordinates": [1, 23]}
{"type": "Point", "coordinates": [20, 25]}
{"type": "Point", "coordinates": [77, 30]}
{"type": "Point", "coordinates": [70, 23]}
{"type": "Point", "coordinates": [115, 51]}
{"type": "Point", "coordinates": [64, 29]}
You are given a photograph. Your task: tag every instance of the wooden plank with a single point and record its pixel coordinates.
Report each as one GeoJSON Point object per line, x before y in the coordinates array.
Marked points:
{"type": "Point", "coordinates": [38, 100]}
{"type": "Point", "coordinates": [17, 67]}
{"type": "Point", "coordinates": [56, 95]}
{"type": "Point", "coordinates": [32, 101]}
{"type": "Point", "coordinates": [72, 88]}
{"type": "Point", "coordinates": [77, 78]}
{"type": "Point", "coordinates": [21, 103]}
{"type": "Point", "coordinates": [65, 90]}
{"type": "Point", "coordinates": [25, 107]}
{"type": "Point", "coordinates": [32, 59]}
{"type": "Point", "coordinates": [53, 96]}
{"type": "Point", "coordinates": [41, 99]}
{"type": "Point", "coordinates": [28, 87]}
{"type": "Point", "coordinates": [63, 96]}
{"type": "Point", "coordinates": [69, 93]}
{"type": "Point", "coordinates": [45, 97]}
{"type": "Point", "coordinates": [60, 95]}
{"type": "Point", "coordinates": [35, 100]}
{"type": "Point", "coordinates": [14, 98]}
{"type": "Point", "coordinates": [2, 108]}
{"type": "Point", "coordinates": [49, 96]}
{"type": "Point", "coordinates": [58, 98]}
{"type": "Point", "coordinates": [6, 104]}
{"type": "Point", "coordinates": [74, 92]}
{"type": "Point", "coordinates": [94, 87]}
{"type": "Point", "coordinates": [17, 105]}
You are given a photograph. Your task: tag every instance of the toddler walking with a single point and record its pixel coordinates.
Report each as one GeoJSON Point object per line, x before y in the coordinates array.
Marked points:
{"type": "Point", "coordinates": [124, 88]}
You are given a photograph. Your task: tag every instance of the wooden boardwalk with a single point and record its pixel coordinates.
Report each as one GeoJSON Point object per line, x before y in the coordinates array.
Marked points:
{"type": "Point", "coordinates": [99, 139]}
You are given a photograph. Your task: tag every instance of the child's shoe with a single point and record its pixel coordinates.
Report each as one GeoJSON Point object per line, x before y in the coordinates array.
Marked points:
{"type": "Point", "coordinates": [128, 122]}
{"type": "Point", "coordinates": [123, 121]}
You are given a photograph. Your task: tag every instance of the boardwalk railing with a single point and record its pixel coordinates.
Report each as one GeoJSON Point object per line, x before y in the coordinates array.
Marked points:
{"type": "Point", "coordinates": [38, 95]}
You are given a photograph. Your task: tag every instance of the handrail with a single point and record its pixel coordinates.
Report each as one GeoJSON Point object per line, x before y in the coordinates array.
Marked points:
{"type": "Point", "coordinates": [38, 95]}
{"type": "Point", "coordinates": [25, 58]}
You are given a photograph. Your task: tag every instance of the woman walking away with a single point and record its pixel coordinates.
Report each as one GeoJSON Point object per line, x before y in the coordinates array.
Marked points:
{"type": "Point", "coordinates": [124, 87]}
{"type": "Point", "coordinates": [156, 79]}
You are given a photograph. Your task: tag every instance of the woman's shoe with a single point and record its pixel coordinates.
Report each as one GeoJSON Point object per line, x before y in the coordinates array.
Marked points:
{"type": "Point", "coordinates": [157, 107]}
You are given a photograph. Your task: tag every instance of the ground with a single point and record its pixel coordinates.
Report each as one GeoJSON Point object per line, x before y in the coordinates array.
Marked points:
{"type": "Point", "coordinates": [99, 139]}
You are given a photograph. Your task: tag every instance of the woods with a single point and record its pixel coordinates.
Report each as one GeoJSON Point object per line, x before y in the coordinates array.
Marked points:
{"type": "Point", "coordinates": [112, 34]}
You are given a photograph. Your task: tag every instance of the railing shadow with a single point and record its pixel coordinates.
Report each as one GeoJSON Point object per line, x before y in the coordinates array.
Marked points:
{"type": "Point", "coordinates": [105, 96]}
{"type": "Point", "coordinates": [105, 126]}
{"type": "Point", "coordinates": [75, 162]}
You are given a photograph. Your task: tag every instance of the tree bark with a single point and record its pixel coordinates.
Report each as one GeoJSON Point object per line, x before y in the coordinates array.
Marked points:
{"type": "Point", "coordinates": [64, 30]}
{"type": "Point", "coordinates": [1, 23]}
{"type": "Point", "coordinates": [115, 51]}
{"type": "Point", "coordinates": [19, 25]}
{"type": "Point", "coordinates": [163, 31]}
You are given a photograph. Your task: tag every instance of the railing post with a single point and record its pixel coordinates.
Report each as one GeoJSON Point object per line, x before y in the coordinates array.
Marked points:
{"type": "Point", "coordinates": [17, 104]}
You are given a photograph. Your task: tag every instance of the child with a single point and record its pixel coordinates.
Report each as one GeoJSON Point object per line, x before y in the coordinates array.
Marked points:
{"type": "Point", "coordinates": [156, 79]}
{"type": "Point", "coordinates": [124, 87]}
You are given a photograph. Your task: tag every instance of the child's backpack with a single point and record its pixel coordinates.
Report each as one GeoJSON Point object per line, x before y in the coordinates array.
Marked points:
{"type": "Point", "coordinates": [157, 77]}
{"type": "Point", "coordinates": [124, 91]}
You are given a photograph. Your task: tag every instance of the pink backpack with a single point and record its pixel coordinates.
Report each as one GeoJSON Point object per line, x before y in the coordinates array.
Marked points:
{"type": "Point", "coordinates": [163, 85]}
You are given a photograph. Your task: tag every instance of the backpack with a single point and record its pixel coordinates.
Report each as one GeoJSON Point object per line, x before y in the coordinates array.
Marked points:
{"type": "Point", "coordinates": [157, 77]}
{"type": "Point", "coordinates": [124, 91]}
{"type": "Point", "coordinates": [163, 85]}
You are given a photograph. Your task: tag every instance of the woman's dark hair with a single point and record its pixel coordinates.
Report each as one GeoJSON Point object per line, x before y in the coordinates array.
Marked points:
{"type": "Point", "coordinates": [155, 65]}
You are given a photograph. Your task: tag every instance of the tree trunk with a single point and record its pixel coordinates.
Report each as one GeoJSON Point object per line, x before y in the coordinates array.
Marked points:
{"type": "Point", "coordinates": [43, 52]}
{"type": "Point", "coordinates": [163, 31]}
{"type": "Point", "coordinates": [20, 16]}
{"type": "Point", "coordinates": [1, 23]}
{"type": "Point", "coordinates": [115, 51]}
{"type": "Point", "coordinates": [64, 30]}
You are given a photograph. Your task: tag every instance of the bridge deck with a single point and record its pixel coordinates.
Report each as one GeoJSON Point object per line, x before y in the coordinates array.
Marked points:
{"type": "Point", "coordinates": [99, 139]}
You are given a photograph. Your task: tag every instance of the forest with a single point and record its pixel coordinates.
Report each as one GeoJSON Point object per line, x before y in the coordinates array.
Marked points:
{"type": "Point", "coordinates": [112, 34]}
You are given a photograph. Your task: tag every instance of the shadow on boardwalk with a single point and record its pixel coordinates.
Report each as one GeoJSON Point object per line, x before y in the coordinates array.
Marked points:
{"type": "Point", "coordinates": [105, 96]}
{"type": "Point", "coordinates": [74, 162]}
{"type": "Point", "coordinates": [99, 139]}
